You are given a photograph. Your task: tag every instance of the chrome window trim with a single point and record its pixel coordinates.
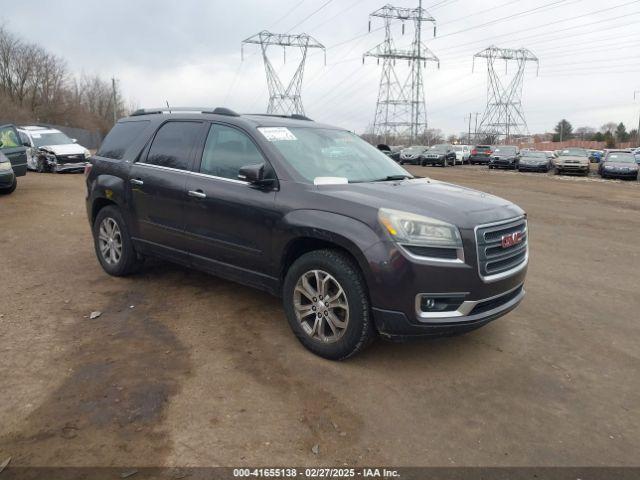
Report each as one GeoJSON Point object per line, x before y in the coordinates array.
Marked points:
{"type": "Point", "coordinates": [189, 172]}
{"type": "Point", "coordinates": [465, 308]}
{"type": "Point", "coordinates": [508, 273]}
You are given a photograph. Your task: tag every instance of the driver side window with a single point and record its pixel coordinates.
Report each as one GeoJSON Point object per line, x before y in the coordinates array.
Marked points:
{"type": "Point", "coordinates": [227, 150]}
{"type": "Point", "coordinates": [9, 138]}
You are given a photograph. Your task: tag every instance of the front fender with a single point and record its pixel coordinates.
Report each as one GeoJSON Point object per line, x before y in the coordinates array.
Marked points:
{"type": "Point", "coordinates": [348, 233]}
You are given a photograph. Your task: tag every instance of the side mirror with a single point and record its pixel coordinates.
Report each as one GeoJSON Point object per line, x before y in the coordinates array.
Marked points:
{"type": "Point", "coordinates": [254, 174]}
{"type": "Point", "coordinates": [74, 140]}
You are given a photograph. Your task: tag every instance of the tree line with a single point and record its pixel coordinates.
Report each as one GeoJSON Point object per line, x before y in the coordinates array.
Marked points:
{"type": "Point", "coordinates": [36, 87]}
{"type": "Point", "coordinates": [611, 133]}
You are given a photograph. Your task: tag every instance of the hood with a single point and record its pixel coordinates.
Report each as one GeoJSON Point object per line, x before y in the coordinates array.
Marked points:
{"type": "Point", "coordinates": [461, 206]}
{"type": "Point", "coordinates": [630, 165]}
{"type": "Point", "coordinates": [69, 149]}
{"type": "Point", "coordinates": [571, 159]}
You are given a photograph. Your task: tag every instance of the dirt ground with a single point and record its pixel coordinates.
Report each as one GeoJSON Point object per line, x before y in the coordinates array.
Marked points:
{"type": "Point", "coordinates": [184, 369]}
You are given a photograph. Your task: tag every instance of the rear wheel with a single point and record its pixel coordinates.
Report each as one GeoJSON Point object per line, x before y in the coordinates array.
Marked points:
{"type": "Point", "coordinates": [327, 305]}
{"type": "Point", "coordinates": [113, 244]}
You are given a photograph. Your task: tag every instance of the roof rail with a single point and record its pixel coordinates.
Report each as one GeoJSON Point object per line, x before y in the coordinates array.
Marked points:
{"type": "Point", "coordinates": [155, 111]}
{"type": "Point", "coordinates": [294, 116]}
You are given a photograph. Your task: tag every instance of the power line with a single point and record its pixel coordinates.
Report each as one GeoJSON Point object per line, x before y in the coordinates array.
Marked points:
{"type": "Point", "coordinates": [310, 15]}
{"type": "Point", "coordinates": [287, 14]}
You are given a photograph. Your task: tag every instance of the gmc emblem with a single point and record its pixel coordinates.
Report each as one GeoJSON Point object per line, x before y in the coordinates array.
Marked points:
{"type": "Point", "coordinates": [511, 239]}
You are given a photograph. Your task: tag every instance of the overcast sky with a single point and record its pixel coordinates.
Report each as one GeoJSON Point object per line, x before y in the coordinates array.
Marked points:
{"type": "Point", "coordinates": [188, 53]}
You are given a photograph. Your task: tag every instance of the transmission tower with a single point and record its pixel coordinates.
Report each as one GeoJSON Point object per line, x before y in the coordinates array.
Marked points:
{"type": "Point", "coordinates": [285, 101]}
{"type": "Point", "coordinates": [503, 116]}
{"type": "Point", "coordinates": [401, 109]}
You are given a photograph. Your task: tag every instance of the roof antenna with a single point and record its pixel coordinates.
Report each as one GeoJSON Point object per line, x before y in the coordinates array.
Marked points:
{"type": "Point", "coordinates": [168, 107]}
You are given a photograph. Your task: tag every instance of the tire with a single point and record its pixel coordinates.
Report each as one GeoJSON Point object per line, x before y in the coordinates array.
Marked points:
{"type": "Point", "coordinates": [11, 189]}
{"type": "Point", "coordinates": [423, 163]}
{"type": "Point", "coordinates": [344, 273]}
{"type": "Point", "coordinates": [401, 162]}
{"type": "Point", "coordinates": [128, 261]}
{"type": "Point", "coordinates": [490, 167]}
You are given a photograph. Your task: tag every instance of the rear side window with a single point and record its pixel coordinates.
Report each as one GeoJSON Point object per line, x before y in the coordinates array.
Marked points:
{"type": "Point", "coordinates": [226, 151]}
{"type": "Point", "coordinates": [9, 137]}
{"type": "Point", "coordinates": [120, 138]}
{"type": "Point", "coordinates": [173, 144]}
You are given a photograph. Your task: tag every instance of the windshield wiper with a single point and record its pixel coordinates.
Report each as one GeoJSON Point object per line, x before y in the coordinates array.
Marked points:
{"type": "Point", "coordinates": [390, 178]}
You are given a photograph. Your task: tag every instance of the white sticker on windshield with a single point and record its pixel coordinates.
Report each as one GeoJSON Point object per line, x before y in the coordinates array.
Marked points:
{"type": "Point", "coordinates": [36, 135]}
{"type": "Point", "coordinates": [277, 134]}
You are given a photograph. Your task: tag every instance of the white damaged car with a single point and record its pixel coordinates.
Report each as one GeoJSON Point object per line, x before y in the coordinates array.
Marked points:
{"type": "Point", "coordinates": [53, 151]}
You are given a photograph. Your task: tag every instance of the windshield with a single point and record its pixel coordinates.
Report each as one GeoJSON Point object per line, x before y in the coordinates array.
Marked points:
{"type": "Point", "coordinates": [416, 149]}
{"type": "Point", "coordinates": [45, 139]}
{"type": "Point", "coordinates": [573, 152]}
{"type": "Point", "coordinates": [621, 157]}
{"type": "Point", "coordinates": [441, 147]}
{"type": "Point", "coordinates": [318, 152]}
{"type": "Point", "coordinates": [505, 150]}
{"type": "Point", "coordinates": [535, 155]}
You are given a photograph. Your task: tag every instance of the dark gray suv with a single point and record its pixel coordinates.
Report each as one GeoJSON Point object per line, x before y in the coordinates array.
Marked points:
{"type": "Point", "coordinates": [353, 243]}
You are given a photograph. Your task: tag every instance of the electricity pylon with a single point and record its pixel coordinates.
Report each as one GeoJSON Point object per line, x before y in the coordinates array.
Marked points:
{"type": "Point", "coordinates": [503, 116]}
{"type": "Point", "coordinates": [285, 101]}
{"type": "Point", "coordinates": [401, 109]}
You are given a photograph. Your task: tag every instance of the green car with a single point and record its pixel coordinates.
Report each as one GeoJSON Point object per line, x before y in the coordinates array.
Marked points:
{"type": "Point", "coordinates": [13, 158]}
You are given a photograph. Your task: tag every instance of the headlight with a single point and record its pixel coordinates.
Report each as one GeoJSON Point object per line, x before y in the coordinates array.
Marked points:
{"type": "Point", "coordinates": [412, 229]}
{"type": "Point", "coordinates": [4, 166]}
{"type": "Point", "coordinates": [87, 153]}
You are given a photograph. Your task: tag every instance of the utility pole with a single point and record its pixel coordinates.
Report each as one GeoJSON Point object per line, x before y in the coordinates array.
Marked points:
{"type": "Point", "coordinates": [286, 101]}
{"type": "Point", "coordinates": [561, 130]}
{"type": "Point", "coordinates": [503, 115]}
{"type": "Point", "coordinates": [475, 130]}
{"type": "Point", "coordinates": [114, 100]}
{"type": "Point", "coordinates": [469, 133]}
{"type": "Point", "coordinates": [401, 109]}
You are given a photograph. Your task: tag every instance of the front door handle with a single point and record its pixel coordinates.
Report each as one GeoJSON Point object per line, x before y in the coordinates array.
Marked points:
{"type": "Point", "coordinates": [136, 181]}
{"type": "Point", "coordinates": [197, 194]}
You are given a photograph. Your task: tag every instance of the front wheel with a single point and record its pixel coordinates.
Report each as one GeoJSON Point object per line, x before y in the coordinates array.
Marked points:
{"type": "Point", "coordinates": [327, 305]}
{"type": "Point", "coordinates": [113, 244]}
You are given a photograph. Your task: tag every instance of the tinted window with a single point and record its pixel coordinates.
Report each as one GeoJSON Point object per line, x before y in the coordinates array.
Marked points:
{"type": "Point", "coordinates": [172, 144]}
{"type": "Point", "coordinates": [9, 137]}
{"type": "Point", "coordinates": [227, 149]}
{"type": "Point", "coordinates": [120, 138]}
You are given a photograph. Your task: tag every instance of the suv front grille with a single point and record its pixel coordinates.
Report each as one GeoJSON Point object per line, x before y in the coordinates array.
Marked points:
{"type": "Point", "coordinates": [496, 260]}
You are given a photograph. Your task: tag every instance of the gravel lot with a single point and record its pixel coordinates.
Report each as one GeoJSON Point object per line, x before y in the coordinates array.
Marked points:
{"type": "Point", "coordinates": [186, 369]}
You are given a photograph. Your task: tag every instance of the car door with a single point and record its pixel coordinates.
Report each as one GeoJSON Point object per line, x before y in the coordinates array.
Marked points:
{"type": "Point", "coordinates": [13, 149]}
{"type": "Point", "coordinates": [157, 185]}
{"type": "Point", "coordinates": [228, 221]}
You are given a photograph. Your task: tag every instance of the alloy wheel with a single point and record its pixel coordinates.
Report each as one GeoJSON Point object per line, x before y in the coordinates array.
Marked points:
{"type": "Point", "coordinates": [110, 241]}
{"type": "Point", "coordinates": [321, 306]}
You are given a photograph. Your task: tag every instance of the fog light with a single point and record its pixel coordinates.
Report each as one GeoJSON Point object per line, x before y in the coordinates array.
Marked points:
{"type": "Point", "coordinates": [437, 303]}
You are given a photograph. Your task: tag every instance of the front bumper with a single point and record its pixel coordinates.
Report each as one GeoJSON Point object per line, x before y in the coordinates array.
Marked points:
{"type": "Point", "coordinates": [397, 282]}
{"type": "Point", "coordinates": [502, 163]}
{"type": "Point", "coordinates": [533, 167]}
{"type": "Point", "coordinates": [479, 158]}
{"type": "Point", "coordinates": [572, 167]}
{"type": "Point", "coordinates": [433, 160]}
{"type": "Point", "coordinates": [69, 167]}
{"type": "Point", "coordinates": [619, 173]}
{"type": "Point", "coordinates": [7, 177]}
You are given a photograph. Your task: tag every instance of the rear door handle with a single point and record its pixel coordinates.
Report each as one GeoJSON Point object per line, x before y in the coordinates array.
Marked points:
{"type": "Point", "coordinates": [197, 194]}
{"type": "Point", "coordinates": [136, 181]}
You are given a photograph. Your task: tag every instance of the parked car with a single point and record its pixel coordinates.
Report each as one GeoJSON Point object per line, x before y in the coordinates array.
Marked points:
{"type": "Point", "coordinates": [353, 243]}
{"type": "Point", "coordinates": [618, 164]}
{"type": "Point", "coordinates": [463, 152]}
{"type": "Point", "coordinates": [53, 151]}
{"type": "Point", "coordinates": [412, 155]}
{"type": "Point", "coordinates": [392, 152]}
{"type": "Point", "coordinates": [505, 156]}
{"type": "Point", "coordinates": [533, 161]}
{"type": "Point", "coordinates": [572, 160]}
{"type": "Point", "coordinates": [441, 154]}
{"type": "Point", "coordinates": [13, 158]}
{"type": "Point", "coordinates": [480, 154]}
{"type": "Point", "coordinates": [595, 156]}
{"type": "Point", "coordinates": [551, 155]}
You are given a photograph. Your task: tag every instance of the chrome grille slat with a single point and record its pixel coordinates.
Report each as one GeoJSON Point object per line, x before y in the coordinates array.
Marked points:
{"type": "Point", "coordinates": [495, 262]}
